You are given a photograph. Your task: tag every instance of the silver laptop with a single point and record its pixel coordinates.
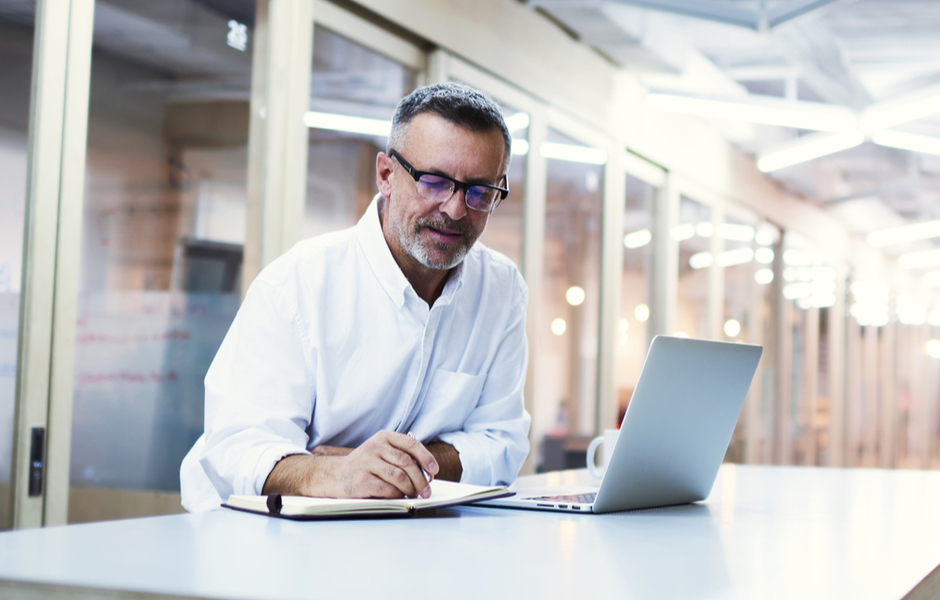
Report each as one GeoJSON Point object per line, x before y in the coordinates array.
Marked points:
{"type": "Point", "coordinates": [674, 434]}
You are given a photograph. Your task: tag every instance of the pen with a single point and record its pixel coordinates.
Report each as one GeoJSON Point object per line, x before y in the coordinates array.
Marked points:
{"type": "Point", "coordinates": [426, 474]}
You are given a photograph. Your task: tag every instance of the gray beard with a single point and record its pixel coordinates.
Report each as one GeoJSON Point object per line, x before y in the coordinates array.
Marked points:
{"type": "Point", "coordinates": [420, 252]}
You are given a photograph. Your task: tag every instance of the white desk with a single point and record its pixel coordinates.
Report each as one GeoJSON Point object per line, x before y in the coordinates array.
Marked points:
{"type": "Point", "coordinates": [765, 532]}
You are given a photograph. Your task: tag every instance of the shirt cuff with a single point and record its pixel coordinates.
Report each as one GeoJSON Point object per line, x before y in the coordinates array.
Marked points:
{"type": "Point", "coordinates": [474, 460]}
{"type": "Point", "coordinates": [264, 460]}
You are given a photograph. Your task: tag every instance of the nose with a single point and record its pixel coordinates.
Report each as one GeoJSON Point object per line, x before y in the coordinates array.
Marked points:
{"type": "Point", "coordinates": [456, 206]}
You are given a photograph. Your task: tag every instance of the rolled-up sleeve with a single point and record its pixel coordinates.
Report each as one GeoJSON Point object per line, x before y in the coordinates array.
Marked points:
{"type": "Point", "coordinates": [494, 441]}
{"type": "Point", "coordinates": [260, 391]}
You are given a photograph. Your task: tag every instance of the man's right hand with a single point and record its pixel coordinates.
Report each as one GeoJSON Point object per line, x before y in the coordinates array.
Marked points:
{"type": "Point", "coordinates": [387, 465]}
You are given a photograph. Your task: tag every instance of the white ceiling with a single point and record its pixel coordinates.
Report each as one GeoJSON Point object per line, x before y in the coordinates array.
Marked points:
{"type": "Point", "coordinates": [851, 53]}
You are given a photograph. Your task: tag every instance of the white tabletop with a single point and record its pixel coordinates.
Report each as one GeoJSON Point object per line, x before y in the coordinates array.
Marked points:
{"type": "Point", "coordinates": [765, 532]}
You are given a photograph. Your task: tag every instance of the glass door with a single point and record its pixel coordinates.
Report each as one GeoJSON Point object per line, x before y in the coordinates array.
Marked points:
{"type": "Point", "coordinates": [693, 234]}
{"type": "Point", "coordinates": [567, 336]}
{"type": "Point", "coordinates": [16, 61]}
{"type": "Point", "coordinates": [632, 337]}
{"type": "Point", "coordinates": [162, 240]}
{"type": "Point", "coordinates": [354, 92]}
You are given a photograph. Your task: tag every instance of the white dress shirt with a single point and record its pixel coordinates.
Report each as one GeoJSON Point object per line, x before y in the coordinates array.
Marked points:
{"type": "Point", "coordinates": [332, 345]}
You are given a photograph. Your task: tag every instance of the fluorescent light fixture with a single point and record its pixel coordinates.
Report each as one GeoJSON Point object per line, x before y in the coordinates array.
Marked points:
{"type": "Point", "coordinates": [571, 153]}
{"type": "Point", "coordinates": [764, 255]}
{"type": "Point", "coordinates": [701, 260]}
{"type": "Point", "coordinates": [823, 300]}
{"type": "Point", "coordinates": [730, 258]}
{"type": "Point", "coordinates": [919, 260]}
{"type": "Point", "coordinates": [905, 233]}
{"type": "Point", "coordinates": [870, 314]}
{"type": "Point", "coordinates": [348, 124]}
{"type": "Point", "coordinates": [764, 237]}
{"type": "Point", "coordinates": [805, 148]}
{"type": "Point", "coordinates": [637, 239]}
{"type": "Point", "coordinates": [735, 232]}
{"type": "Point", "coordinates": [738, 256]}
{"type": "Point", "coordinates": [900, 110]}
{"type": "Point", "coordinates": [769, 111]}
{"type": "Point", "coordinates": [685, 231]}
{"type": "Point", "coordinates": [518, 121]}
{"type": "Point", "coordinates": [705, 229]}
{"type": "Point", "coordinates": [763, 276]}
{"type": "Point", "coordinates": [519, 147]}
{"type": "Point", "coordinates": [907, 141]}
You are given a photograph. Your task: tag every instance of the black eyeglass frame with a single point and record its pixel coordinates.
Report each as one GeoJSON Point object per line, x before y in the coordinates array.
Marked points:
{"type": "Point", "coordinates": [458, 185]}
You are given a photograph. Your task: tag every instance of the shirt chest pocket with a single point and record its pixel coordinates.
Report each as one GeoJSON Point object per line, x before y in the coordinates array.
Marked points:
{"type": "Point", "coordinates": [449, 400]}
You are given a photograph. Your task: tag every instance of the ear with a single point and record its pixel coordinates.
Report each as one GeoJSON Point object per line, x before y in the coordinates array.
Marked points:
{"type": "Point", "coordinates": [383, 174]}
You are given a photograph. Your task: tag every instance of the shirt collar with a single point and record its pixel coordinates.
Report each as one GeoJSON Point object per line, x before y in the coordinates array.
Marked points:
{"type": "Point", "coordinates": [396, 285]}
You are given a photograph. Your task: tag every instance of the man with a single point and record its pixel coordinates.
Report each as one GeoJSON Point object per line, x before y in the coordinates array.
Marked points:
{"type": "Point", "coordinates": [364, 362]}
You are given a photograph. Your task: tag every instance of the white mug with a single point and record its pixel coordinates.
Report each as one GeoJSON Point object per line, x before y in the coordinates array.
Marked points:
{"type": "Point", "coordinates": [609, 439]}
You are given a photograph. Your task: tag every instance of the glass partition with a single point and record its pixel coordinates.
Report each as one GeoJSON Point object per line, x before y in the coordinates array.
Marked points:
{"type": "Point", "coordinates": [16, 61]}
{"type": "Point", "coordinates": [693, 234]}
{"type": "Point", "coordinates": [503, 231]}
{"type": "Point", "coordinates": [632, 337]}
{"type": "Point", "coordinates": [348, 80]}
{"type": "Point", "coordinates": [808, 286]}
{"type": "Point", "coordinates": [737, 259]}
{"type": "Point", "coordinates": [760, 407]}
{"type": "Point", "coordinates": [566, 372]}
{"type": "Point", "coordinates": [163, 229]}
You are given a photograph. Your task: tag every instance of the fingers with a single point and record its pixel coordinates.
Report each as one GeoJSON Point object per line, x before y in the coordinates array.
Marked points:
{"type": "Point", "coordinates": [390, 465]}
{"type": "Point", "coordinates": [417, 451]}
{"type": "Point", "coordinates": [409, 460]}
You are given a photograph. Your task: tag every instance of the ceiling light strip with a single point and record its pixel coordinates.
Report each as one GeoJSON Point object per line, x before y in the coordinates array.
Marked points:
{"type": "Point", "coordinates": [347, 123]}
{"type": "Point", "coordinates": [768, 111]}
{"type": "Point", "coordinates": [904, 234]}
{"type": "Point", "coordinates": [571, 153]}
{"type": "Point", "coordinates": [807, 148]}
{"type": "Point", "coordinates": [907, 141]}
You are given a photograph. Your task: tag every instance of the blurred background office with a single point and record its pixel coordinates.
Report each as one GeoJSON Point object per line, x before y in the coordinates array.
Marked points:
{"type": "Point", "coordinates": [755, 171]}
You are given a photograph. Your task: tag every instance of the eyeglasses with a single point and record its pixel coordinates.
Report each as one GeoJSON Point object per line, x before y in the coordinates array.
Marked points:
{"type": "Point", "coordinates": [439, 188]}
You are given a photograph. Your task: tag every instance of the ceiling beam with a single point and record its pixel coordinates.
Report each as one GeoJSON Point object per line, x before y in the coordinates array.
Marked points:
{"type": "Point", "coordinates": [758, 20]}
{"type": "Point", "coordinates": [701, 9]}
{"type": "Point", "coordinates": [793, 10]}
{"type": "Point", "coordinates": [810, 47]}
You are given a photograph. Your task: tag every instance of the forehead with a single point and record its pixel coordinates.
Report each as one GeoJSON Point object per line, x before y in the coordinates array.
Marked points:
{"type": "Point", "coordinates": [432, 143]}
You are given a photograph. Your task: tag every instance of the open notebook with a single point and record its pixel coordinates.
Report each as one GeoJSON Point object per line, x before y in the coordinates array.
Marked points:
{"type": "Point", "coordinates": [443, 493]}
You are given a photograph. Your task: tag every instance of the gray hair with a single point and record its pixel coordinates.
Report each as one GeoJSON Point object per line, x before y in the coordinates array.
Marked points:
{"type": "Point", "coordinates": [458, 103]}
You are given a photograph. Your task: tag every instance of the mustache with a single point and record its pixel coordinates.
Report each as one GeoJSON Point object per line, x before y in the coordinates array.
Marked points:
{"type": "Point", "coordinates": [445, 222]}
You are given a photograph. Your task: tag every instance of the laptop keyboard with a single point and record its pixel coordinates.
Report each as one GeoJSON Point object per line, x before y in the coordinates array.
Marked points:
{"type": "Point", "coordinates": [568, 498]}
